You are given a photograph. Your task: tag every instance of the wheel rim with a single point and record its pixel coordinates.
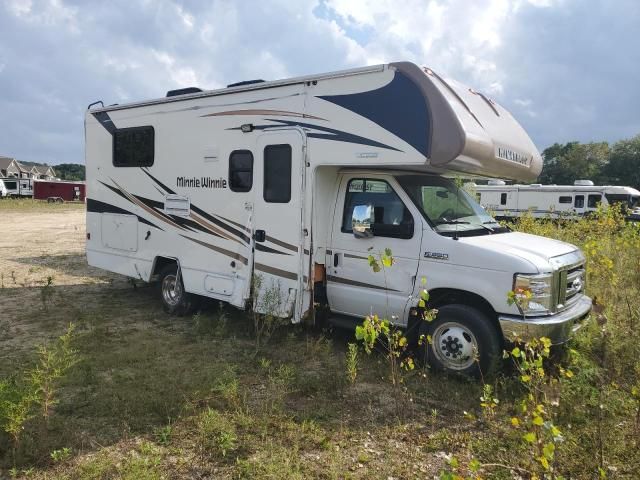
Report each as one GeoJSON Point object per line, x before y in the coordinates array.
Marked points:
{"type": "Point", "coordinates": [171, 290]}
{"type": "Point", "coordinates": [455, 346]}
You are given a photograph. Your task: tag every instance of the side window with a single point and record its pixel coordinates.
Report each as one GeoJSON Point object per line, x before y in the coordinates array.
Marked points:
{"type": "Point", "coordinates": [387, 207]}
{"type": "Point", "coordinates": [133, 147]}
{"type": "Point", "coordinates": [593, 201]}
{"type": "Point", "coordinates": [503, 199]}
{"type": "Point", "coordinates": [579, 201]}
{"type": "Point", "coordinates": [241, 170]}
{"type": "Point", "coordinates": [277, 174]}
{"type": "Point", "coordinates": [565, 200]}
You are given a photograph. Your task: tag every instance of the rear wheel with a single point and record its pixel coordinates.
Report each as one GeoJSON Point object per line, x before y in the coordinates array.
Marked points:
{"type": "Point", "coordinates": [175, 300]}
{"type": "Point", "coordinates": [463, 340]}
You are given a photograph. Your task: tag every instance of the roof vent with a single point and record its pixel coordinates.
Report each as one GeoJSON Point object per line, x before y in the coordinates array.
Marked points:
{"type": "Point", "coordinates": [246, 82]}
{"type": "Point", "coordinates": [496, 182]}
{"type": "Point", "coordinates": [183, 91]}
{"type": "Point", "coordinates": [583, 183]}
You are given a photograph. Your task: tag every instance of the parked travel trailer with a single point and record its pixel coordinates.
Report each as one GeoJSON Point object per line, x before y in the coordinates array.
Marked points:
{"type": "Point", "coordinates": [17, 187]}
{"type": "Point", "coordinates": [554, 201]}
{"type": "Point", "coordinates": [58, 191]}
{"type": "Point", "coordinates": [272, 195]}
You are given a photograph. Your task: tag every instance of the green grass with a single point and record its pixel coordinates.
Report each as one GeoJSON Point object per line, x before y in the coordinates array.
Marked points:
{"type": "Point", "coordinates": [160, 397]}
{"type": "Point", "coordinates": [29, 204]}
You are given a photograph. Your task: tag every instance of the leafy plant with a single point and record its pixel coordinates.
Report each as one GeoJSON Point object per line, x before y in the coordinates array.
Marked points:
{"type": "Point", "coordinates": [267, 304]}
{"type": "Point", "coordinates": [37, 388]}
{"type": "Point", "coordinates": [352, 363]}
{"type": "Point", "coordinates": [216, 434]}
{"type": "Point", "coordinates": [61, 455]}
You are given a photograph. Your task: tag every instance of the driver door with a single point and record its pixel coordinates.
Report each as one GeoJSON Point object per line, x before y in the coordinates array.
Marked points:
{"type": "Point", "coordinates": [353, 288]}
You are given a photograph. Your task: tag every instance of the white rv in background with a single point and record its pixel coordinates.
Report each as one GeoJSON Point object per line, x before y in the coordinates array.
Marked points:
{"type": "Point", "coordinates": [554, 201]}
{"type": "Point", "coordinates": [16, 187]}
{"type": "Point", "coordinates": [295, 182]}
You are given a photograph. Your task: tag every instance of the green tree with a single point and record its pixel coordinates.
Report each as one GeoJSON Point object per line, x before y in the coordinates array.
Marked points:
{"type": "Point", "coordinates": [563, 164]}
{"type": "Point", "coordinates": [624, 163]}
{"type": "Point", "coordinates": [70, 171]}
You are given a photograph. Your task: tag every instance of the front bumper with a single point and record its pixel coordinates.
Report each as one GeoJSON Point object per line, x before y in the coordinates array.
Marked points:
{"type": "Point", "coordinates": [558, 327]}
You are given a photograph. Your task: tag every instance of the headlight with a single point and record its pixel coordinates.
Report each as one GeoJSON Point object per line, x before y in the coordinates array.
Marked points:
{"type": "Point", "coordinates": [540, 289]}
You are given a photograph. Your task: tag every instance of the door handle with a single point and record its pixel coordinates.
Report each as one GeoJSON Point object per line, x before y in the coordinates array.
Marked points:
{"type": "Point", "coordinates": [260, 236]}
{"type": "Point", "coordinates": [336, 259]}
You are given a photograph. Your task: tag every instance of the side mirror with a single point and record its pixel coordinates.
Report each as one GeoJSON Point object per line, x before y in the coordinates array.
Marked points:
{"type": "Point", "coordinates": [361, 221]}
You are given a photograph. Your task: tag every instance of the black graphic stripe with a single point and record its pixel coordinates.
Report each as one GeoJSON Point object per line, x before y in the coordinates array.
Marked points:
{"type": "Point", "coordinates": [96, 206]}
{"type": "Point", "coordinates": [357, 257]}
{"type": "Point", "coordinates": [354, 283]}
{"type": "Point", "coordinates": [221, 250]}
{"type": "Point", "coordinates": [115, 190]}
{"type": "Point", "coordinates": [399, 107]}
{"type": "Point", "coordinates": [228, 220]}
{"type": "Point", "coordinates": [221, 224]}
{"type": "Point", "coordinates": [276, 271]}
{"type": "Point", "coordinates": [167, 189]}
{"type": "Point", "coordinates": [282, 244]}
{"type": "Point", "coordinates": [263, 248]}
{"type": "Point", "coordinates": [105, 121]}
{"type": "Point", "coordinates": [325, 133]}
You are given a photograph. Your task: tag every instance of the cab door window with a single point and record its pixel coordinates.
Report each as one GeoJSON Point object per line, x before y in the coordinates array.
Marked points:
{"type": "Point", "coordinates": [387, 209]}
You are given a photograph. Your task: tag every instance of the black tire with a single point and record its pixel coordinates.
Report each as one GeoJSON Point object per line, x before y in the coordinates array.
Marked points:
{"type": "Point", "coordinates": [467, 342]}
{"type": "Point", "coordinates": [175, 301]}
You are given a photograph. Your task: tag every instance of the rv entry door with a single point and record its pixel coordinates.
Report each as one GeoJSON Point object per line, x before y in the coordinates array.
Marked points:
{"type": "Point", "coordinates": [278, 234]}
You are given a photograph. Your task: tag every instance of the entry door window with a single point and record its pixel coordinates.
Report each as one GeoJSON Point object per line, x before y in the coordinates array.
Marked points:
{"type": "Point", "coordinates": [579, 201]}
{"type": "Point", "coordinates": [277, 173]}
{"type": "Point", "coordinates": [387, 208]}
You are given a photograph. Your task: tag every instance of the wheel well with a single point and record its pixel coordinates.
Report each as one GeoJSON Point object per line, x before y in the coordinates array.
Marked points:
{"type": "Point", "coordinates": [159, 263]}
{"type": "Point", "coordinates": [447, 296]}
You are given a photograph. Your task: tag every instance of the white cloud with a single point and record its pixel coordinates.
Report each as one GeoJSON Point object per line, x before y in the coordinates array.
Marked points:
{"type": "Point", "coordinates": [549, 61]}
{"type": "Point", "coordinates": [19, 8]}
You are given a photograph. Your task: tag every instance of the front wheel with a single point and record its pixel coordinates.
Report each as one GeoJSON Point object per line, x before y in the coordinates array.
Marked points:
{"type": "Point", "coordinates": [463, 340]}
{"type": "Point", "coordinates": [175, 300]}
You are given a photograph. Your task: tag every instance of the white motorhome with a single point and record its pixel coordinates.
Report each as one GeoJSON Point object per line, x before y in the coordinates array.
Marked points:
{"type": "Point", "coordinates": [295, 182]}
{"type": "Point", "coordinates": [16, 187]}
{"type": "Point", "coordinates": [554, 201]}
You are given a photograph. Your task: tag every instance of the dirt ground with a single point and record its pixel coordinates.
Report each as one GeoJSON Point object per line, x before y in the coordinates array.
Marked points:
{"type": "Point", "coordinates": [40, 247]}
{"type": "Point", "coordinates": [142, 373]}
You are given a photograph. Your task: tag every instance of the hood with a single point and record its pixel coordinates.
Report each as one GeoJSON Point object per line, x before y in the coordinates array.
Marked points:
{"type": "Point", "coordinates": [533, 248]}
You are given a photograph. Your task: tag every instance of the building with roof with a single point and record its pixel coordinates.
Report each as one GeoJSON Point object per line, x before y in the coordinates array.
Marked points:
{"type": "Point", "coordinates": [43, 172]}
{"type": "Point", "coordinates": [9, 167]}
{"type": "Point", "coordinates": [12, 168]}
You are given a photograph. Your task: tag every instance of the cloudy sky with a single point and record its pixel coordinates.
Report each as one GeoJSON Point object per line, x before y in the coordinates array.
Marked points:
{"type": "Point", "coordinates": [567, 69]}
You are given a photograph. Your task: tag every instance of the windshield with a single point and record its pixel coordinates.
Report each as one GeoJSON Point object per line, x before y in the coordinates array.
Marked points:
{"type": "Point", "coordinates": [631, 201]}
{"type": "Point", "coordinates": [448, 208]}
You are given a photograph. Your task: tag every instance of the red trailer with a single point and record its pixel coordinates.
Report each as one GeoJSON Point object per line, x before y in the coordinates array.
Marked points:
{"type": "Point", "coordinates": [59, 191]}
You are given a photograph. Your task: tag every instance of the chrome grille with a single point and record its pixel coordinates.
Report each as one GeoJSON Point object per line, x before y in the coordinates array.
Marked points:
{"type": "Point", "coordinates": [571, 282]}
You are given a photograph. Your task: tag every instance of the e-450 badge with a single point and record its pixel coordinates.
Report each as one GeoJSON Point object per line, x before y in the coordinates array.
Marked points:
{"type": "Point", "coordinates": [436, 255]}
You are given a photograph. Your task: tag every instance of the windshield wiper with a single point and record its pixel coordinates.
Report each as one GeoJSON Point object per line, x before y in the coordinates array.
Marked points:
{"type": "Point", "coordinates": [452, 222]}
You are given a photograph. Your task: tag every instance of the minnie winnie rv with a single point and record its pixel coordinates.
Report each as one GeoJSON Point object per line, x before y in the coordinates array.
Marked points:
{"type": "Point", "coordinates": [295, 182]}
